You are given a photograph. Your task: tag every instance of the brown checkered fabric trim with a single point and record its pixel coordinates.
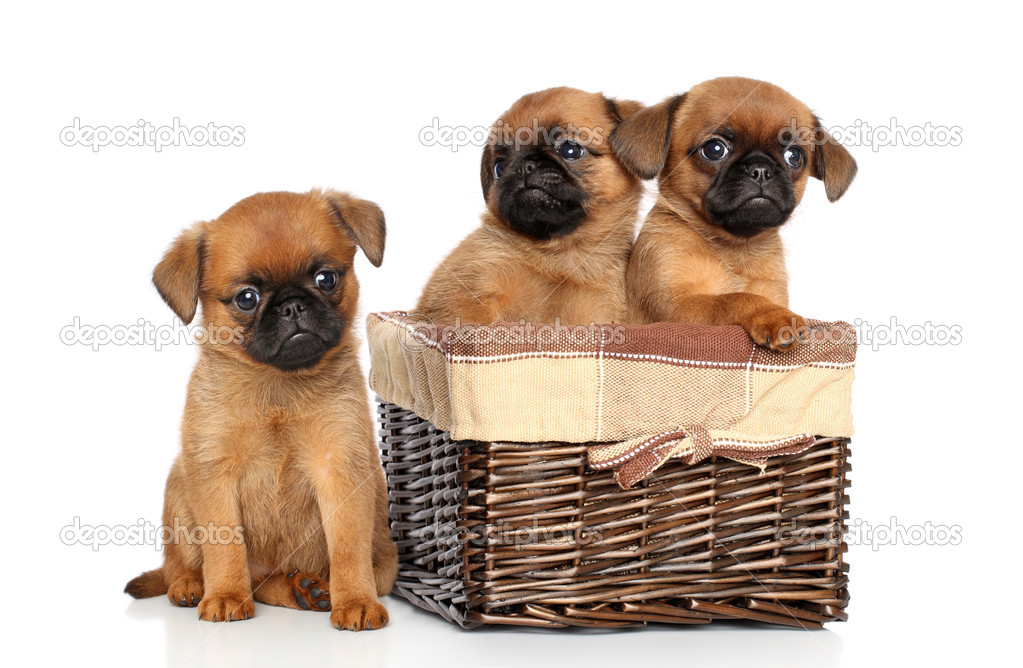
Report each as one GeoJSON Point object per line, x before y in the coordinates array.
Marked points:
{"type": "Point", "coordinates": [642, 394]}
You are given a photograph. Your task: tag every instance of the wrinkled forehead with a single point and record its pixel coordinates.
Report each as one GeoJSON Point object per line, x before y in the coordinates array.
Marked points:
{"type": "Point", "coordinates": [277, 238]}
{"type": "Point", "coordinates": [585, 117]}
{"type": "Point", "coordinates": [756, 111]}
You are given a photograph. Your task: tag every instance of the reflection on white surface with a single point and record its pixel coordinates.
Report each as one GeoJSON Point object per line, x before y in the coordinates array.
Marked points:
{"type": "Point", "coordinates": [283, 637]}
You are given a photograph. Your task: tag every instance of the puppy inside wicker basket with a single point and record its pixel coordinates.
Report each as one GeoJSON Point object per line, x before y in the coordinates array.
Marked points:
{"type": "Point", "coordinates": [691, 469]}
{"type": "Point", "coordinates": [732, 157]}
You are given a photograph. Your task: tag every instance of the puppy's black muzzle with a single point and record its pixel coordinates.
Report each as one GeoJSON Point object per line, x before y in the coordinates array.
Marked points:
{"type": "Point", "coordinates": [295, 330]}
{"type": "Point", "coordinates": [539, 198]}
{"type": "Point", "coordinates": [753, 194]}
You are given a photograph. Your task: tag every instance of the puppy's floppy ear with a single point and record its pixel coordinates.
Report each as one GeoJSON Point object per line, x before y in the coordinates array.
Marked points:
{"type": "Point", "coordinates": [361, 220]}
{"type": "Point", "coordinates": [622, 109]}
{"type": "Point", "coordinates": [640, 141]}
{"type": "Point", "coordinates": [831, 163]}
{"type": "Point", "coordinates": [179, 273]}
{"type": "Point", "coordinates": [487, 170]}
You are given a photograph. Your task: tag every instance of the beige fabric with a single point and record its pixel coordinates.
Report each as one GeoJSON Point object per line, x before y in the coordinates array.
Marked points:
{"type": "Point", "coordinates": [648, 392]}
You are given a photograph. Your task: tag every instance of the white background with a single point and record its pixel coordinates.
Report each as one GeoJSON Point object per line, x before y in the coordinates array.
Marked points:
{"type": "Point", "coordinates": [337, 98]}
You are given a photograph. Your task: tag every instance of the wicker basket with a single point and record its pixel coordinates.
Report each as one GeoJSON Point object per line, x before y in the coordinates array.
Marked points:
{"type": "Point", "coordinates": [528, 534]}
{"type": "Point", "coordinates": [504, 533]}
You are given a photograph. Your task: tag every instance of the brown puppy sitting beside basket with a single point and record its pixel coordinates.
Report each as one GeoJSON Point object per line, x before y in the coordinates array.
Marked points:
{"type": "Point", "coordinates": [733, 156]}
{"type": "Point", "coordinates": [560, 219]}
{"type": "Point", "coordinates": [278, 468]}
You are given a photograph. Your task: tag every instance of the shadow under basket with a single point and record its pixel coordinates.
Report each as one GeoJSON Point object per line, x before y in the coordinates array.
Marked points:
{"type": "Point", "coordinates": [525, 534]}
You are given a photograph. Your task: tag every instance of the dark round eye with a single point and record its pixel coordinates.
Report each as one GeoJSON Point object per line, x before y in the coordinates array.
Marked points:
{"type": "Point", "coordinates": [246, 299]}
{"type": "Point", "coordinates": [571, 151]}
{"type": "Point", "coordinates": [794, 157]}
{"type": "Point", "coordinates": [714, 149]}
{"type": "Point", "coordinates": [326, 279]}
{"type": "Point", "coordinates": [498, 167]}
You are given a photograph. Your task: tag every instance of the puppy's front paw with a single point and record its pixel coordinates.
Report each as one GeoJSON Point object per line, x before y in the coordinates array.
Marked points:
{"type": "Point", "coordinates": [186, 591]}
{"type": "Point", "coordinates": [310, 592]}
{"type": "Point", "coordinates": [776, 328]}
{"type": "Point", "coordinates": [357, 614]}
{"type": "Point", "coordinates": [226, 608]}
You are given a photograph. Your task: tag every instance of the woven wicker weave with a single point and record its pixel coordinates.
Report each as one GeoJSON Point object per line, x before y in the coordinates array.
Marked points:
{"type": "Point", "coordinates": [524, 534]}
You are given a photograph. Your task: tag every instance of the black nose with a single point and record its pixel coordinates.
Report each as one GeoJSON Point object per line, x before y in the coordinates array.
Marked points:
{"type": "Point", "coordinates": [759, 172]}
{"type": "Point", "coordinates": [290, 309]}
{"type": "Point", "coordinates": [528, 165]}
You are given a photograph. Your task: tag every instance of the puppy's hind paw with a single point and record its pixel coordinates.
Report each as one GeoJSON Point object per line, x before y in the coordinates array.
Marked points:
{"type": "Point", "coordinates": [310, 592]}
{"type": "Point", "coordinates": [186, 591]}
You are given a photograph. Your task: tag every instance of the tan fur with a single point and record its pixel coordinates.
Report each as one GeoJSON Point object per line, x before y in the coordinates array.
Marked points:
{"type": "Point", "coordinates": [683, 267]}
{"type": "Point", "coordinates": [499, 274]}
{"type": "Point", "coordinates": [288, 455]}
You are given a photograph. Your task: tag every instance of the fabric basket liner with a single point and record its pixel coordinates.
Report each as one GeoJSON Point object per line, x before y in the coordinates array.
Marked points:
{"type": "Point", "coordinates": [639, 394]}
